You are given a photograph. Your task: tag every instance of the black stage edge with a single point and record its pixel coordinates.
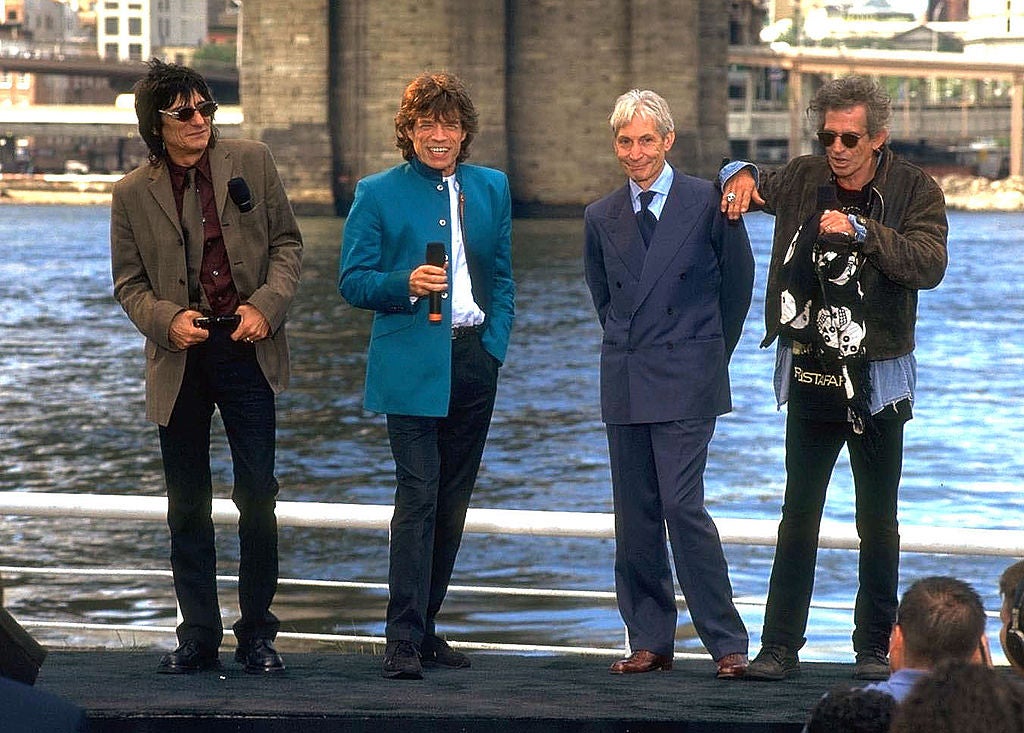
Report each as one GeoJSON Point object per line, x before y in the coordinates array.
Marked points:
{"type": "Point", "coordinates": [320, 692]}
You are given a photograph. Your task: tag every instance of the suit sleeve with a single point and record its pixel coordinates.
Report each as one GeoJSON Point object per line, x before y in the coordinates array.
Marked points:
{"type": "Point", "coordinates": [362, 280]}
{"type": "Point", "coordinates": [132, 286]}
{"type": "Point", "coordinates": [274, 296]}
{"type": "Point", "coordinates": [736, 263]}
{"type": "Point", "coordinates": [503, 292]}
{"type": "Point", "coordinates": [593, 267]}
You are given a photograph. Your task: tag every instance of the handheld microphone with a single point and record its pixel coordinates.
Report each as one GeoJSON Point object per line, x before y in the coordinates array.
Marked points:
{"type": "Point", "coordinates": [239, 192]}
{"type": "Point", "coordinates": [827, 197]}
{"type": "Point", "coordinates": [436, 255]}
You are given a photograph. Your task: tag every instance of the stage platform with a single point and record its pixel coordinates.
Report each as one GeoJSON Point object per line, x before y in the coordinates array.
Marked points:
{"type": "Point", "coordinates": [337, 692]}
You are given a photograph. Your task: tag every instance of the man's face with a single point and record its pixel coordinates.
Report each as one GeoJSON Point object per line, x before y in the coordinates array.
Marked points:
{"type": "Point", "coordinates": [186, 139]}
{"type": "Point", "coordinates": [437, 143]}
{"type": "Point", "coordinates": [854, 166]}
{"type": "Point", "coordinates": [641, 150]}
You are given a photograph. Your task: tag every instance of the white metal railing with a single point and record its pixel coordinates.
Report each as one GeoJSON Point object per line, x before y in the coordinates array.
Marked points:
{"type": "Point", "coordinates": [737, 531]}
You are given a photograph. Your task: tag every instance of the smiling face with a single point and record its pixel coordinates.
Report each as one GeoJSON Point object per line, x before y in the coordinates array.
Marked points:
{"type": "Point", "coordinates": [437, 143]}
{"type": "Point", "coordinates": [641, 150]}
{"type": "Point", "coordinates": [186, 140]}
{"type": "Point", "coordinates": [854, 167]}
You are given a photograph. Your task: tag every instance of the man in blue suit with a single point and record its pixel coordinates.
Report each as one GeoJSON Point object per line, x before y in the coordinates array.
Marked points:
{"type": "Point", "coordinates": [671, 280]}
{"type": "Point", "coordinates": [440, 332]}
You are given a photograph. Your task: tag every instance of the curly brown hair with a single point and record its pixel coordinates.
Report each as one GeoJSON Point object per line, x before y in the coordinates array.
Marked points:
{"type": "Point", "coordinates": [439, 96]}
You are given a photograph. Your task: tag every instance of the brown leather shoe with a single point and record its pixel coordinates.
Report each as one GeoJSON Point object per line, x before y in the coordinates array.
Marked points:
{"type": "Point", "coordinates": [732, 666]}
{"type": "Point", "coordinates": [641, 661]}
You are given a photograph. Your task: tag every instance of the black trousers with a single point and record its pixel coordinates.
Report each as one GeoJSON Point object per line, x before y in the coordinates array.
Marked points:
{"type": "Point", "coordinates": [812, 448]}
{"type": "Point", "coordinates": [436, 464]}
{"type": "Point", "coordinates": [222, 374]}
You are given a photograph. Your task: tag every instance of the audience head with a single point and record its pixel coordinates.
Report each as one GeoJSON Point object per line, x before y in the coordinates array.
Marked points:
{"type": "Point", "coordinates": [855, 710]}
{"type": "Point", "coordinates": [1011, 614]}
{"type": "Point", "coordinates": [938, 619]}
{"type": "Point", "coordinates": [962, 698]}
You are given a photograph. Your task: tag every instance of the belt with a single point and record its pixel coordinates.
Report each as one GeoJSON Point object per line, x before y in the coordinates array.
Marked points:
{"type": "Point", "coordinates": [459, 332]}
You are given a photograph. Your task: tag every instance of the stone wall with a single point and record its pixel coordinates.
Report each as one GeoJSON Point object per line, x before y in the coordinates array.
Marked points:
{"type": "Point", "coordinates": [284, 90]}
{"type": "Point", "coordinates": [321, 82]}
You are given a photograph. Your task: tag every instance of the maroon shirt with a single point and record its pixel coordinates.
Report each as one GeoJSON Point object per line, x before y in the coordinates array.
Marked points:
{"type": "Point", "coordinates": [215, 273]}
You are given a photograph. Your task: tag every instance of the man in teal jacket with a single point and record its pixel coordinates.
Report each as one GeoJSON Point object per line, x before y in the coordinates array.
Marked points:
{"type": "Point", "coordinates": [440, 333]}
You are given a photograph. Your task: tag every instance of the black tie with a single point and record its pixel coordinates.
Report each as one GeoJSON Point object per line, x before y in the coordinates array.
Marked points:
{"type": "Point", "coordinates": [645, 217]}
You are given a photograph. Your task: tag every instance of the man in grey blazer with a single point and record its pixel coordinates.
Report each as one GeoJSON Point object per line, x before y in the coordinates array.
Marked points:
{"type": "Point", "coordinates": [671, 281]}
{"type": "Point", "coordinates": [205, 254]}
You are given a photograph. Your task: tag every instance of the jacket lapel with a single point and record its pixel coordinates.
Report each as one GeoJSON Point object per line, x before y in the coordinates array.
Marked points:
{"type": "Point", "coordinates": [160, 189]}
{"type": "Point", "coordinates": [221, 168]}
{"type": "Point", "coordinates": [624, 232]}
{"type": "Point", "coordinates": [680, 214]}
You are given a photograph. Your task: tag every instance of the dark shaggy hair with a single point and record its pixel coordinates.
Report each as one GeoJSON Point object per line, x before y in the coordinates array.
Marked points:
{"type": "Point", "coordinates": [941, 618]}
{"type": "Point", "coordinates": [157, 90]}
{"type": "Point", "coordinates": [441, 96]}
{"type": "Point", "coordinates": [850, 91]}
{"type": "Point", "coordinates": [853, 710]}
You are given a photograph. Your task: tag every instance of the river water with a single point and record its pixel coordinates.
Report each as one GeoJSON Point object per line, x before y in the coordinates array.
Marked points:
{"type": "Point", "coordinates": [71, 420]}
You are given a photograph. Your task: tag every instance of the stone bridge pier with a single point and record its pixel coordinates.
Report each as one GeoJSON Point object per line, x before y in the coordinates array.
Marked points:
{"type": "Point", "coordinates": [320, 82]}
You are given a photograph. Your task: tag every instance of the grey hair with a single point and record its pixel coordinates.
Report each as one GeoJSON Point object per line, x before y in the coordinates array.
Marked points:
{"type": "Point", "coordinates": [642, 103]}
{"type": "Point", "coordinates": [850, 91]}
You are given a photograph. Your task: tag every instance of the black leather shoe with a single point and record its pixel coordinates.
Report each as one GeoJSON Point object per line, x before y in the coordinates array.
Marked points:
{"type": "Point", "coordinates": [435, 650]}
{"type": "Point", "coordinates": [401, 661]}
{"type": "Point", "coordinates": [189, 657]}
{"type": "Point", "coordinates": [259, 656]}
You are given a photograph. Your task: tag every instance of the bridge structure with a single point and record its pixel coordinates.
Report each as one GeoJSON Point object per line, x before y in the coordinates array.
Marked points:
{"type": "Point", "coordinates": [803, 62]}
{"type": "Point", "coordinates": [311, 89]}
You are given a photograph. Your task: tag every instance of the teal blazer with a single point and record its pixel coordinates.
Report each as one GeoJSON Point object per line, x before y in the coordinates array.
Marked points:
{"type": "Point", "coordinates": [394, 215]}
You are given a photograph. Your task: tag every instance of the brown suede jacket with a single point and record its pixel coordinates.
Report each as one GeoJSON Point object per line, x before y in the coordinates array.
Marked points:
{"type": "Point", "coordinates": [905, 248]}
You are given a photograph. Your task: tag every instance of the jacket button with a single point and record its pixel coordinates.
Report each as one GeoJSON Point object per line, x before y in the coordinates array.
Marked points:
{"type": "Point", "coordinates": [440, 187]}
{"type": "Point", "coordinates": [443, 222]}
{"type": "Point", "coordinates": [618, 284]}
{"type": "Point", "coordinates": [682, 275]}
{"type": "Point", "coordinates": [671, 346]}
{"type": "Point", "coordinates": [669, 311]}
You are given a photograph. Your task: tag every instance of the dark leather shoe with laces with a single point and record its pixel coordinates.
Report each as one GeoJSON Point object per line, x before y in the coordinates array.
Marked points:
{"type": "Point", "coordinates": [189, 657]}
{"type": "Point", "coordinates": [871, 666]}
{"type": "Point", "coordinates": [401, 661]}
{"type": "Point", "coordinates": [259, 656]}
{"type": "Point", "coordinates": [641, 661]}
{"type": "Point", "coordinates": [435, 650]}
{"type": "Point", "coordinates": [773, 663]}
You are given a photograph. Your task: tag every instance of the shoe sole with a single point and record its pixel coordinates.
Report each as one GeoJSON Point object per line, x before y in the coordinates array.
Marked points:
{"type": "Point", "coordinates": [188, 670]}
{"type": "Point", "coordinates": [400, 675]}
{"type": "Point", "coordinates": [753, 674]}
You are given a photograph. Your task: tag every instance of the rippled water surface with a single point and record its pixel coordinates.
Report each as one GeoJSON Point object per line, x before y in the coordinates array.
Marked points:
{"type": "Point", "coordinates": [71, 420]}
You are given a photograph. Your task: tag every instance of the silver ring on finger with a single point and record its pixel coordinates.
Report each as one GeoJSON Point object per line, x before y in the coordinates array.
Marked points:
{"type": "Point", "coordinates": [730, 197]}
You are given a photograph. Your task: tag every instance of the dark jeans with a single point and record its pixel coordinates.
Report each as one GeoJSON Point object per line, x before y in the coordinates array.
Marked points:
{"type": "Point", "coordinates": [436, 463]}
{"type": "Point", "coordinates": [223, 374]}
{"type": "Point", "coordinates": [812, 448]}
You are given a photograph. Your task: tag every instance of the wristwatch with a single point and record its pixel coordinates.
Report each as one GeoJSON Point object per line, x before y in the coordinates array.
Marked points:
{"type": "Point", "coordinates": [860, 227]}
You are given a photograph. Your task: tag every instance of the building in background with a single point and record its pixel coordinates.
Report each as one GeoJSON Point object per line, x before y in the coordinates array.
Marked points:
{"type": "Point", "coordinates": [135, 30]}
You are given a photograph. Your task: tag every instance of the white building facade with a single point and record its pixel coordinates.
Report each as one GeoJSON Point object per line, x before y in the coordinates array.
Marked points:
{"type": "Point", "coordinates": [136, 30]}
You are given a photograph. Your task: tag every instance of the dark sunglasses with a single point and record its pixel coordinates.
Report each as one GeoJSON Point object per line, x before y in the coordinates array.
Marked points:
{"type": "Point", "coordinates": [849, 139]}
{"type": "Point", "coordinates": [184, 114]}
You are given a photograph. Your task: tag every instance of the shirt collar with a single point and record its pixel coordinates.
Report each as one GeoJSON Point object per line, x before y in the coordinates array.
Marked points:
{"type": "Point", "coordinates": [662, 184]}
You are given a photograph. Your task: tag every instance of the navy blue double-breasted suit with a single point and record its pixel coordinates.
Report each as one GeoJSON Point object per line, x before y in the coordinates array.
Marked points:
{"type": "Point", "coordinates": [672, 313]}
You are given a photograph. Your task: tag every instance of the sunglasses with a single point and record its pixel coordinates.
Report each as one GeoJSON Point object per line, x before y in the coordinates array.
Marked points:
{"type": "Point", "coordinates": [184, 114]}
{"type": "Point", "coordinates": [849, 139]}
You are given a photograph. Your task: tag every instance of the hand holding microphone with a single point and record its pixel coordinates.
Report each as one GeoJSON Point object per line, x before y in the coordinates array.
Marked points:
{"type": "Point", "coordinates": [431, 279]}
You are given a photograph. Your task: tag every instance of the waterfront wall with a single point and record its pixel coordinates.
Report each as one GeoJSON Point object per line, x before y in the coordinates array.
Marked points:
{"type": "Point", "coordinates": [320, 82]}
